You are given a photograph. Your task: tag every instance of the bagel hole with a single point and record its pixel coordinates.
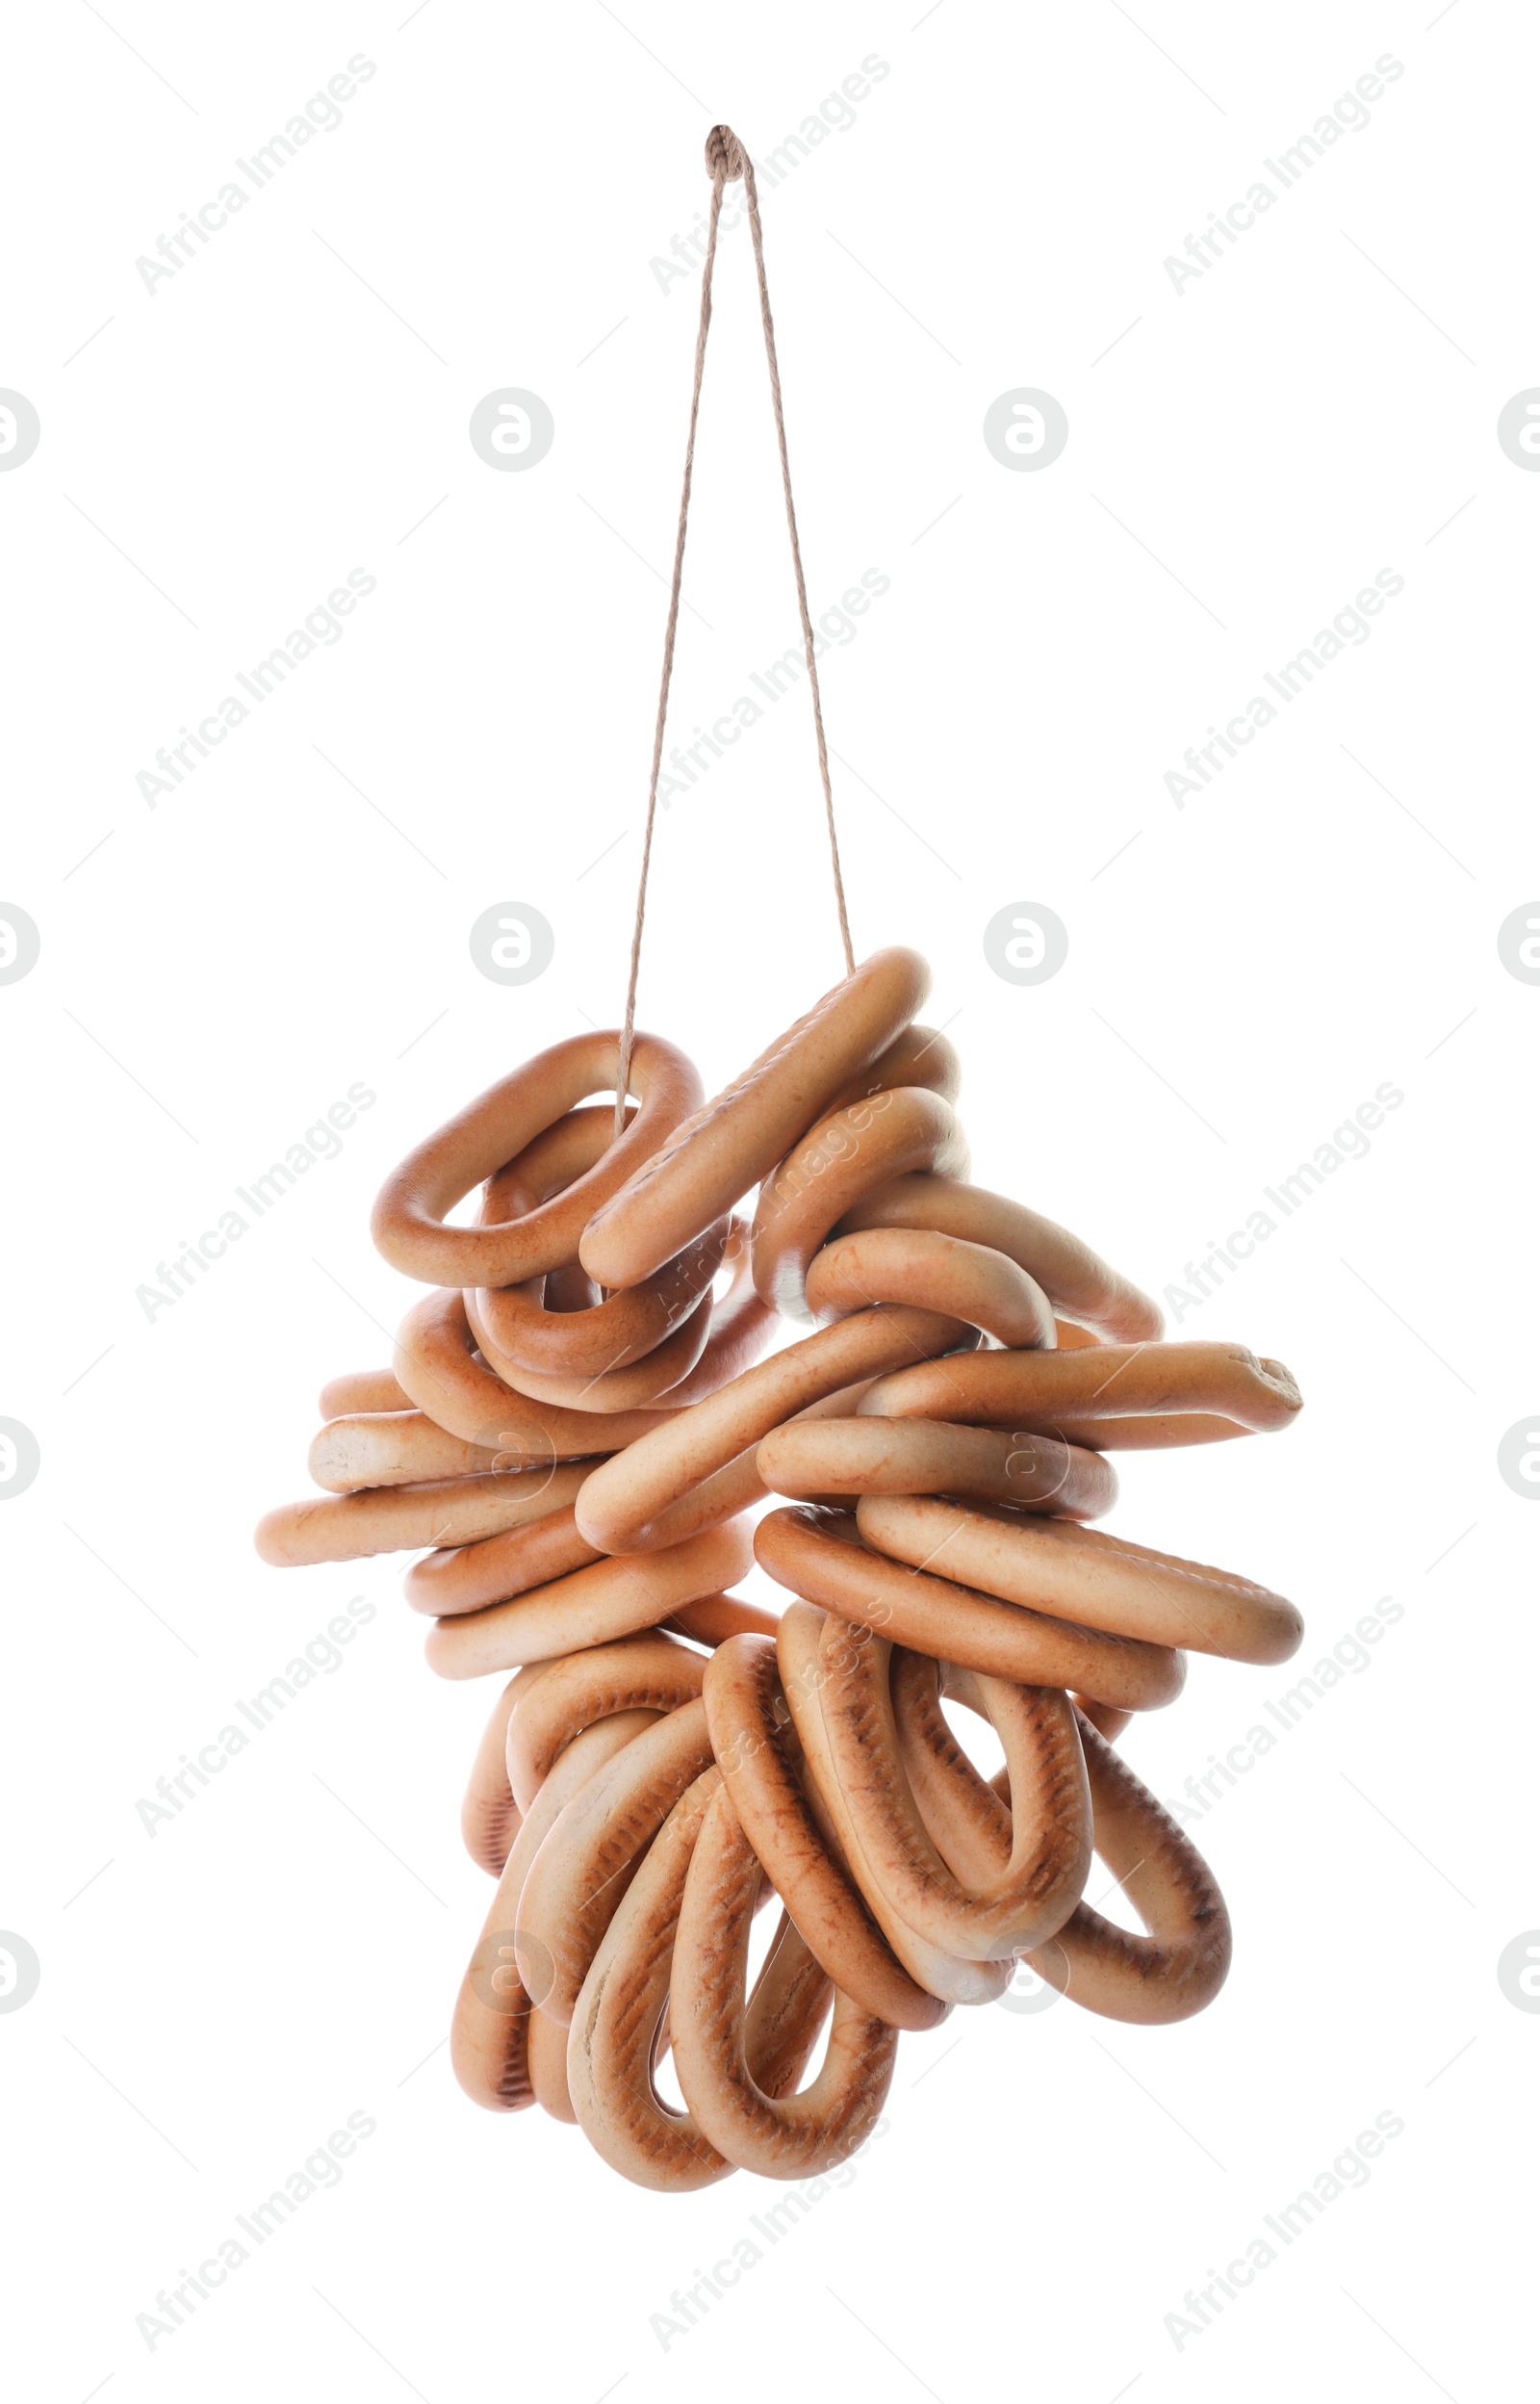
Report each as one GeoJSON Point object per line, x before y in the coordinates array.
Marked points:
{"type": "Point", "coordinates": [666, 2083]}
{"type": "Point", "coordinates": [976, 1735]}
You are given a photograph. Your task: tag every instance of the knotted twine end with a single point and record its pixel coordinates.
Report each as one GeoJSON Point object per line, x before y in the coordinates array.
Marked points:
{"type": "Point", "coordinates": [724, 155]}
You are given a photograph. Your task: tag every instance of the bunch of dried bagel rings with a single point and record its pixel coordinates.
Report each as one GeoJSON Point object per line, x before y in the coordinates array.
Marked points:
{"type": "Point", "coordinates": [578, 1422]}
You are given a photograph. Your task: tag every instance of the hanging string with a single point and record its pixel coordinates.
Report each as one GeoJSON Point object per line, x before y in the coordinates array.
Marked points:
{"type": "Point", "coordinates": [726, 160]}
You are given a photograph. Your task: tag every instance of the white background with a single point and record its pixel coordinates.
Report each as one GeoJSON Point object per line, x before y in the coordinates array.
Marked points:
{"type": "Point", "coordinates": [1244, 457]}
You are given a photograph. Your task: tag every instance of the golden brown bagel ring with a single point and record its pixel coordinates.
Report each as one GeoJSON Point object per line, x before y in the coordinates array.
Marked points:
{"type": "Point", "coordinates": [738, 1485]}
{"type": "Point", "coordinates": [640, 1672]}
{"type": "Point", "coordinates": [819, 1555]}
{"type": "Point", "coordinates": [617, 2026]}
{"type": "Point", "coordinates": [739, 1325]}
{"type": "Point", "coordinates": [593, 1851]}
{"type": "Point", "coordinates": [717, 1617]}
{"type": "Point", "coordinates": [399, 1518]}
{"type": "Point", "coordinates": [620, 1389]}
{"type": "Point", "coordinates": [624, 2010]}
{"type": "Point", "coordinates": [757, 1750]}
{"type": "Point", "coordinates": [468, 1577]}
{"type": "Point", "coordinates": [837, 1161]}
{"type": "Point", "coordinates": [435, 1360]}
{"type": "Point", "coordinates": [1181, 1965]}
{"type": "Point", "coordinates": [779, 2135]}
{"type": "Point", "coordinates": [393, 1448]}
{"type": "Point", "coordinates": [1074, 1277]}
{"type": "Point", "coordinates": [622, 1329]}
{"type": "Point", "coordinates": [1016, 1388]}
{"type": "Point", "coordinates": [713, 1158]}
{"type": "Point", "coordinates": [489, 1817]}
{"type": "Point", "coordinates": [361, 1390]}
{"type": "Point", "coordinates": [621, 1512]}
{"type": "Point", "coordinates": [408, 1220]}
{"type": "Point", "coordinates": [1097, 1580]}
{"type": "Point", "coordinates": [557, 1324]}
{"type": "Point", "coordinates": [938, 1272]}
{"type": "Point", "coordinates": [921, 1056]}
{"type": "Point", "coordinates": [546, 2053]}
{"type": "Point", "coordinates": [490, 2033]}
{"type": "Point", "coordinates": [798, 1657]}
{"type": "Point", "coordinates": [613, 1598]}
{"type": "Point", "coordinates": [647, 1672]}
{"type": "Point", "coordinates": [1033, 1893]}
{"type": "Point", "coordinates": [860, 1456]}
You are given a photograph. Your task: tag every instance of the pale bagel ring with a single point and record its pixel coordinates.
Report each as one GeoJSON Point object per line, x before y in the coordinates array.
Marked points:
{"type": "Point", "coordinates": [712, 1159]}
{"type": "Point", "coordinates": [593, 1851]}
{"type": "Point", "coordinates": [494, 2018]}
{"type": "Point", "coordinates": [612, 1599]}
{"type": "Point", "coordinates": [394, 1448]}
{"type": "Point", "coordinates": [1077, 1280]}
{"type": "Point", "coordinates": [649, 1673]}
{"type": "Point", "coordinates": [820, 1557]}
{"type": "Point", "coordinates": [402, 1519]}
{"type": "Point", "coordinates": [489, 1817]}
{"type": "Point", "coordinates": [408, 1220]}
{"type": "Point", "coordinates": [621, 1512]}
{"type": "Point", "coordinates": [640, 1672]}
{"type": "Point", "coordinates": [359, 1391]}
{"type": "Point", "coordinates": [1097, 1580]}
{"type": "Point", "coordinates": [837, 1161]}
